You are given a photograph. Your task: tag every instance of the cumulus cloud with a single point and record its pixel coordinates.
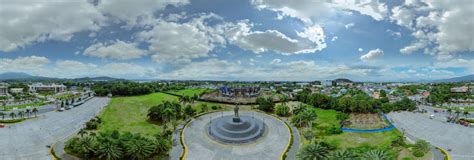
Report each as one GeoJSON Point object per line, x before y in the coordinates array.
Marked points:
{"type": "Point", "coordinates": [308, 41]}
{"type": "Point", "coordinates": [117, 50]}
{"type": "Point", "coordinates": [20, 64]}
{"type": "Point", "coordinates": [275, 61]}
{"type": "Point", "coordinates": [334, 38]}
{"type": "Point", "coordinates": [372, 54]}
{"type": "Point", "coordinates": [350, 25]}
{"type": "Point", "coordinates": [360, 49]}
{"type": "Point", "coordinates": [436, 23]}
{"type": "Point", "coordinates": [26, 22]}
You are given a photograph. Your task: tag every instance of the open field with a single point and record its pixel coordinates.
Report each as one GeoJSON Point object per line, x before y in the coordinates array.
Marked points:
{"type": "Point", "coordinates": [366, 121]}
{"type": "Point", "coordinates": [191, 91]}
{"type": "Point", "coordinates": [130, 113]}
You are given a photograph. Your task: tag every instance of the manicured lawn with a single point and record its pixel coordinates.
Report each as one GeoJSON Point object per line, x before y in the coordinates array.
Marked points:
{"type": "Point", "coordinates": [191, 91]}
{"type": "Point", "coordinates": [130, 113]}
{"type": "Point", "coordinates": [326, 117]}
{"type": "Point", "coordinates": [25, 105]}
{"type": "Point", "coordinates": [348, 140]}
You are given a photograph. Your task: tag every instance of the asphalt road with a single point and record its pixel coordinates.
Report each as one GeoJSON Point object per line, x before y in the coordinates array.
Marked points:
{"type": "Point", "coordinates": [28, 140]}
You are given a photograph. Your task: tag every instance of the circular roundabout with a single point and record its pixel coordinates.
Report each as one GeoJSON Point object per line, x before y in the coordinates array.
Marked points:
{"type": "Point", "coordinates": [233, 135]}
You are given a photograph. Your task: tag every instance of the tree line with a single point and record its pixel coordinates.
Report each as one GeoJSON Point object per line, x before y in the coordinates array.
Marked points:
{"type": "Point", "coordinates": [130, 88]}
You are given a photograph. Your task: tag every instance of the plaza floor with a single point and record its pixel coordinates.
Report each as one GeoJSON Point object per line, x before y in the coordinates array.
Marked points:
{"type": "Point", "coordinates": [28, 140]}
{"type": "Point", "coordinates": [200, 146]}
{"type": "Point", "coordinates": [449, 136]}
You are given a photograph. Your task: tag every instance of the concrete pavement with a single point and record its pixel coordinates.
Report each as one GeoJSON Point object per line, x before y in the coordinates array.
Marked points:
{"type": "Point", "coordinates": [29, 140]}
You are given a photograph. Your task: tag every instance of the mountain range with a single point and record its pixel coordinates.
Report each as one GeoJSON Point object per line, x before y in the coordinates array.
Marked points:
{"type": "Point", "coordinates": [25, 76]}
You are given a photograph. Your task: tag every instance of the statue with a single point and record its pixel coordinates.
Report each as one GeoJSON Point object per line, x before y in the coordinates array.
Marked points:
{"type": "Point", "coordinates": [236, 111]}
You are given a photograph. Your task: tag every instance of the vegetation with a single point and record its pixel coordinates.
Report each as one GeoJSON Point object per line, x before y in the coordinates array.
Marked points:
{"type": "Point", "coordinates": [265, 104]}
{"type": "Point", "coordinates": [130, 88]}
{"type": "Point", "coordinates": [282, 110]}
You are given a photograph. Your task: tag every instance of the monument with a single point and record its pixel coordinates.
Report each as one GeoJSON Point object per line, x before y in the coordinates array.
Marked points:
{"type": "Point", "coordinates": [236, 129]}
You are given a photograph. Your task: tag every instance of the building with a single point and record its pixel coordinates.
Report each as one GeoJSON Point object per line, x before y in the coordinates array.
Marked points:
{"type": "Point", "coordinates": [51, 87]}
{"type": "Point", "coordinates": [462, 89]}
{"type": "Point", "coordinates": [16, 90]}
{"type": "Point", "coordinates": [376, 95]}
{"type": "Point", "coordinates": [326, 83]}
{"type": "Point", "coordinates": [3, 89]}
{"type": "Point", "coordinates": [425, 94]}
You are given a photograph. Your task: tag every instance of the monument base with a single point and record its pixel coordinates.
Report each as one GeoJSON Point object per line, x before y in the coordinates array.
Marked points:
{"type": "Point", "coordinates": [236, 119]}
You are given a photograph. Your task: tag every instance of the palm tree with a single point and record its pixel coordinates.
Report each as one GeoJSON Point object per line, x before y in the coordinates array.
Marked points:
{"type": "Point", "coordinates": [35, 111]}
{"type": "Point", "coordinates": [28, 112]}
{"type": "Point", "coordinates": [457, 113]}
{"type": "Point", "coordinates": [21, 114]}
{"type": "Point", "coordinates": [342, 155]}
{"type": "Point", "coordinates": [313, 151]}
{"type": "Point", "coordinates": [376, 155]}
{"type": "Point", "coordinates": [109, 150]}
{"type": "Point", "coordinates": [183, 99]}
{"type": "Point", "coordinates": [422, 146]}
{"type": "Point", "coordinates": [465, 113]}
{"type": "Point", "coordinates": [12, 115]}
{"type": "Point", "coordinates": [283, 99]}
{"type": "Point", "coordinates": [139, 148]}
{"type": "Point", "coordinates": [168, 114]}
{"type": "Point", "coordinates": [86, 145]}
{"type": "Point", "coordinates": [3, 115]}
{"type": "Point", "coordinates": [162, 144]}
{"type": "Point", "coordinates": [450, 111]}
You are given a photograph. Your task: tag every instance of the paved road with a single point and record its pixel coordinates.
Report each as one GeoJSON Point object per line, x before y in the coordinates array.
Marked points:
{"type": "Point", "coordinates": [28, 140]}
{"type": "Point", "coordinates": [457, 138]}
{"type": "Point", "coordinates": [271, 146]}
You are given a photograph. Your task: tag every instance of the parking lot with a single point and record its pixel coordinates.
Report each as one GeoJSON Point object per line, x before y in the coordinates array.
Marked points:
{"type": "Point", "coordinates": [449, 136]}
{"type": "Point", "coordinates": [28, 140]}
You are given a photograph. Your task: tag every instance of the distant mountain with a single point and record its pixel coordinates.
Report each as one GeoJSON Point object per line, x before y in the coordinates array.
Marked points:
{"type": "Point", "coordinates": [467, 78]}
{"type": "Point", "coordinates": [21, 76]}
{"type": "Point", "coordinates": [102, 78]}
{"type": "Point", "coordinates": [343, 80]}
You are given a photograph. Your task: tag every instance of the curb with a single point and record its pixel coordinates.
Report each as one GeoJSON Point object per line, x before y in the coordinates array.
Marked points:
{"type": "Point", "coordinates": [181, 138]}
{"type": "Point", "coordinates": [51, 152]}
{"type": "Point", "coordinates": [288, 147]}
{"type": "Point", "coordinates": [446, 154]}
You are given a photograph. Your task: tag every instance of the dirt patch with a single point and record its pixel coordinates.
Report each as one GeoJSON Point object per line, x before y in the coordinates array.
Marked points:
{"type": "Point", "coordinates": [365, 121]}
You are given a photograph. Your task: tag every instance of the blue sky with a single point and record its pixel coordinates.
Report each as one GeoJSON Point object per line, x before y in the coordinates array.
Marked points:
{"type": "Point", "coordinates": [238, 39]}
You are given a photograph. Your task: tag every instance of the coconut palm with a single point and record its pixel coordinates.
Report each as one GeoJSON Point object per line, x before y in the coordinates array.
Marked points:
{"type": "Point", "coordinates": [139, 148]}
{"type": "Point", "coordinates": [35, 111]}
{"type": "Point", "coordinates": [342, 155]}
{"type": "Point", "coordinates": [12, 115]}
{"type": "Point", "coordinates": [162, 144]}
{"type": "Point", "coordinates": [313, 151]}
{"type": "Point", "coordinates": [465, 113]}
{"type": "Point", "coordinates": [27, 112]}
{"type": "Point", "coordinates": [109, 150]}
{"type": "Point", "coordinates": [3, 115]}
{"type": "Point", "coordinates": [376, 155]}
{"type": "Point", "coordinates": [168, 114]}
{"type": "Point", "coordinates": [450, 111]}
{"type": "Point", "coordinates": [21, 114]}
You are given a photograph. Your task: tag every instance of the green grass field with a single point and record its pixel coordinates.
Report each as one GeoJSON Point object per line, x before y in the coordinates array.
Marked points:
{"type": "Point", "coordinates": [349, 140]}
{"type": "Point", "coordinates": [25, 105]}
{"type": "Point", "coordinates": [326, 117]}
{"type": "Point", "coordinates": [129, 114]}
{"type": "Point", "coordinates": [191, 91]}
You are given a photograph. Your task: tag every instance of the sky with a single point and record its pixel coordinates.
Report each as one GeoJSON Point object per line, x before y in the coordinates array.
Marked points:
{"type": "Point", "coordinates": [242, 40]}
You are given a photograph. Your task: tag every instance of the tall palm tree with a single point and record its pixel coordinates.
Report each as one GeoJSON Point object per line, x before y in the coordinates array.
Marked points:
{"type": "Point", "coordinates": [35, 111]}
{"type": "Point", "coordinates": [109, 151]}
{"type": "Point", "coordinates": [168, 114]}
{"type": "Point", "coordinates": [449, 111]}
{"type": "Point", "coordinates": [313, 151]}
{"type": "Point", "coordinates": [342, 155]}
{"type": "Point", "coordinates": [376, 155]}
{"type": "Point", "coordinates": [3, 115]}
{"type": "Point", "coordinates": [21, 114]}
{"type": "Point", "coordinates": [27, 112]}
{"type": "Point", "coordinates": [162, 144]}
{"type": "Point", "coordinates": [139, 148]}
{"type": "Point", "coordinates": [12, 115]}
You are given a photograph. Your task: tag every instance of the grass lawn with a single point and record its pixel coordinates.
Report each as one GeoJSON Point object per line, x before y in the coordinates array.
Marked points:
{"type": "Point", "coordinates": [326, 117]}
{"type": "Point", "coordinates": [348, 140]}
{"type": "Point", "coordinates": [129, 113]}
{"type": "Point", "coordinates": [191, 91]}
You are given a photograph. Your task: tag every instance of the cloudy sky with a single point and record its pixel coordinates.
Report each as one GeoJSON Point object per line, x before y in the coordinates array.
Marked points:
{"type": "Point", "coordinates": [364, 40]}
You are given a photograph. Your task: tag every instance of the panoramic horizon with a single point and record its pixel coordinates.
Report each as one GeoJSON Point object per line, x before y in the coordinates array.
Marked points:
{"type": "Point", "coordinates": [254, 40]}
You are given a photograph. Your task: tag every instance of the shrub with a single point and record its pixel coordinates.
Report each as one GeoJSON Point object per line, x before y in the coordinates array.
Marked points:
{"type": "Point", "coordinates": [214, 108]}
{"type": "Point", "coordinates": [418, 153]}
{"type": "Point", "coordinates": [333, 130]}
{"type": "Point", "coordinates": [282, 110]}
{"type": "Point", "coordinates": [265, 104]}
{"type": "Point", "coordinates": [407, 158]}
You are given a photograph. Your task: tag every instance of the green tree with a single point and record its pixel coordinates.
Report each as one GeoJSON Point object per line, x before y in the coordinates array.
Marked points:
{"type": "Point", "coordinates": [189, 111]}
{"type": "Point", "coordinates": [305, 118]}
{"type": "Point", "coordinates": [265, 104]}
{"type": "Point", "coordinates": [204, 107]}
{"type": "Point", "coordinates": [35, 111]}
{"type": "Point", "coordinates": [465, 113]}
{"type": "Point", "coordinates": [422, 146]}
{"type": "Point", "coordinates": [82, 132]}
{"type": "Point", "coordinates": [21, 114]}
{"type": "Point", "coordinates": [282, 110]}
{"type": "Point", "coordinates": [313, 151]}
{"type": "Point", "coordinates": [86, 146]}
{"type": "Point", "coordinates": [12, 115]}
{"type": "Point", "coordinates": [3, 115]}
{"type": "Point", "coordinates": [376, 155]}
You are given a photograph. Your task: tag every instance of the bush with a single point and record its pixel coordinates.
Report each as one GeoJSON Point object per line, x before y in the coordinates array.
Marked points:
{"type": "Point", "coordinates": [333, 130]}
{"type": "Point", "coordinates": [282, 110]}
{"type": "Point", "coordinates": [418, 153]}
{"type": "Point", "coordinates": [265, 104]}
{"type": "Point", "coordinates": [214, 108]}
{"type": "Point", "coordinates": [407, 158]}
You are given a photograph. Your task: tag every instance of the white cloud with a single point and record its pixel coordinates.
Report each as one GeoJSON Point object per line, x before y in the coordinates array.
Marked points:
{"type": "Point", "coordinates": [135, 12]}
{"type": "Point", "coordinates": [308, 41]}
{"type": "Point", "coordinates": [25, 22]}
{"type": "Point", "coordinates": [350, 25]}
{"type": "Point", "coordinates": [402, 16]}
{"type": "Point", "coordinates": [117, 50]}
{"type": "Point", "coordinates": [334, 38]}
{"type": "Point", "coordinates": [309, 11]}
{"type": "Point", "coordinates": [23, 64]}
{"type": "Point", "coordinates": [372, 54]}
{"type": "Point", "coordinates": [275, 61]}
{"type": "Point", "coordinates": [360, 49]}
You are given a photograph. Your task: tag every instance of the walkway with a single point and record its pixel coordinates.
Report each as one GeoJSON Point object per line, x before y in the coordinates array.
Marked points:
{"type": "Point", "coordinates": [29, 140]}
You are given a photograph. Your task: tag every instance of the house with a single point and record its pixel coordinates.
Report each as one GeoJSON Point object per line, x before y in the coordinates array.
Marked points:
{"type": "Point", "coordinates": [462, 89]}
{"type": "Point", "coordinates": [3, 89]}
{"type": "Point", "coordinates": [51, 87]}
{"type": "Point", "coordinates": [16, 90]}
{"type": "Point", "coordinates": [376, 95]}
{"type": "Point", "coordinates": [425, 94]}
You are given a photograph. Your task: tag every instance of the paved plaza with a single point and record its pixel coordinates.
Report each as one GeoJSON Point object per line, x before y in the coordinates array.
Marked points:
{"type": "Point", "coordinates": [28, 140]}
{"type": "Point", "coordinates": [270, 146]}
{"type": "Point", "coordinates": [449, 136]}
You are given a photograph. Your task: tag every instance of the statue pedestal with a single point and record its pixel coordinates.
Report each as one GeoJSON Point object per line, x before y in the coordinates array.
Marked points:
{"type": "Point", "coordinates": [236, 119]}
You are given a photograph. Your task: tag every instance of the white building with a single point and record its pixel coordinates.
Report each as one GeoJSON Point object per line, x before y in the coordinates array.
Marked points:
{"type": "Point", "coordinates": [42, 87]}
{"type": "Point", "coordinates": [326, 83]}
{"type": "Point", "coordinates": [3, 89]}
{"type": "Point", "coordinates": [16, 90]}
